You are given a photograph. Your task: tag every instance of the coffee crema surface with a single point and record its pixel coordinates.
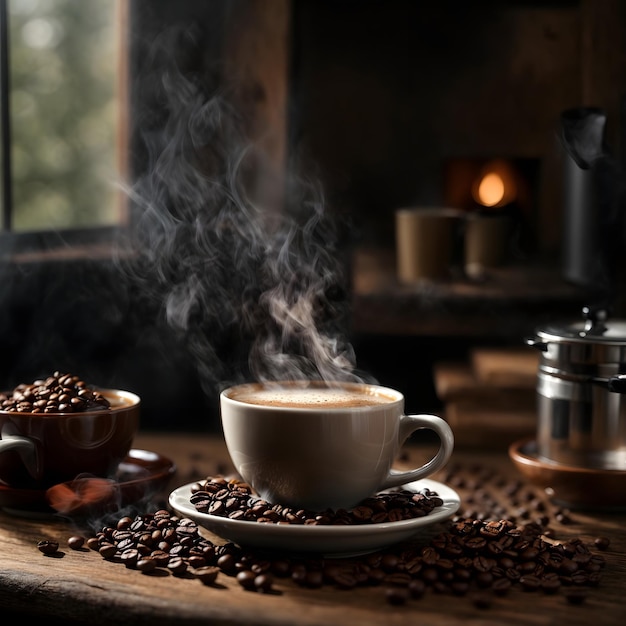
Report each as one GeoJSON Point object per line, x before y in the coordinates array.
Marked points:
{"type": "Point", "coordinates": [311, 397]}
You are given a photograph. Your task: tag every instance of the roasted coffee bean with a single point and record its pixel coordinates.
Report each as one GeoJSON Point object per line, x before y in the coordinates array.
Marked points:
{"type": "Point", "coordinates": [130, 558]}
{"type": "Point", "coordinates": [125, 544]}
{"type": "Point", "coordinates": [416, 588]}
{"type": "Point", "coordinates": [501, 586]}
{"type": "Point", "coordinates": [177, 566]}
{"type": "Point", "coordinates": [602, 543]}
{"type": "Point", "coordinates": [246, 579]}
{"type": "Point", "coordinates": [345, 580]}
{"type": "Point", "coordinates": [207, 575]}
{"type": "Point", "coordinates": [48, 547]}
{"type": "Point", "coordinates": [162, 558]}
{"type": "Point", "coordinates": [550, 583]}
{"type": "Point", "coordinates": [530, 582]}
{"type": "Point", "coordinates": [76, 542]}
{"type": "Point", "coordinates": [108, 550]}
{"type": "Point", "coordinates": [401, 579]}
{"type": "Point", "coordinates": [263, 582]}
{"type": "Point", "coordinates": [227, 563]}
{"type": "Point", "coordinates": [196, 561]}
{"type": "Point", "coordinates": [483, 563]}
{"type": "Point", "coordinates": [146, 564]}
{"type": "Point", "coordinates": [389, 562]}
{"type": "Point", "coordinates": [93, 543]}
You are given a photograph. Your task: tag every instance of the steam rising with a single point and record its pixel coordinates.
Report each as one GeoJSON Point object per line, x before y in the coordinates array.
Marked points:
{"type": "Point", "coordinates": [256, 289]}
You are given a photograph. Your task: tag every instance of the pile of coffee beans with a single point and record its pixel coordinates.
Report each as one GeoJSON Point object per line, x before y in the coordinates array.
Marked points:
{"type": "Point", "coordinates": [59, 393]}
{"type": "Point", "coordinates": [235, 499]}
{"type": "Point", "coordinates": [502, 539]}
{"type": "Point", "coordinates": [474, 558]}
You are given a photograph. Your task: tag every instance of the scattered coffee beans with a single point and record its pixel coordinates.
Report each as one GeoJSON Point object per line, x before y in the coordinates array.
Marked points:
{"type": "Point", "coordinates": [235, 499]}
{"type": "Point", "coordinates": [59, 393]}
{"type": "Point", "coordinates": [501, 541]}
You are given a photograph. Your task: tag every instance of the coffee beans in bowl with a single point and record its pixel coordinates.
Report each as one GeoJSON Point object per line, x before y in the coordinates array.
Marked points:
{"type": "Point", "coordinates": [58, 393]}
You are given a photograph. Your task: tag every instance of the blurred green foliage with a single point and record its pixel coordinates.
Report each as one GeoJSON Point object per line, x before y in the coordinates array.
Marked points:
{"type": "Point", "coordinates": [64, 77]}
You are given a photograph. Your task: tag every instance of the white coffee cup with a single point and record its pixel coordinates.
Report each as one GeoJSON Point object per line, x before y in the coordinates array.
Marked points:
{"type": "Point", "coordinates": [316, 445]}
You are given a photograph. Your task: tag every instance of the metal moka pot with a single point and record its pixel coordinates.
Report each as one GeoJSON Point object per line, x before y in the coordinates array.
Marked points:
{"type": "Point", "coordinates": [581, 384]}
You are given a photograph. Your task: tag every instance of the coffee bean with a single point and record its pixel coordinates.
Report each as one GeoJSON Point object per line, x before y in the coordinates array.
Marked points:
{"type": "Point", "coordinates": [246, 579]}
{"type": "Point", "coordinates": [227, 563]}
{"type": "Point", "coordinates": [530, 582]}
{"type": "Point", "coordinates": [401, 579]}
{"type": "Point", "coordinates": [93, 543]}
{"type": "Point", "coordinates": [146, 564]}
{"type": "Point", "coordinates": [108, 550]}
{"type": "Point", "coordinates": [76, 542]}
{"type": "Point", "coordinates": [344, 580]}
{"type": "Point", "coordinates": [130, 558]}
{"type": "Point", "coordinates": [602, 543]}
{"type": "Point", "coordinates": [48, 547]}
{"type": "Point", "coordinates": [263, 582]}
{"type": "Point", "coordinates": [501, 586]}
{"type": "Point", "coordinates": [177, 566]}
{"type": "Point", "coordinates": [207, 575]}
{"type": "Point", "coordinates": [160, 557]}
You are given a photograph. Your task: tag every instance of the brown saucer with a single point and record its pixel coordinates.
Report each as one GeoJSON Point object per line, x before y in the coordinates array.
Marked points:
{"type": "Point", "coordinates": [141, 474]}
{"type": "Point", "coordinates": [574, 487]}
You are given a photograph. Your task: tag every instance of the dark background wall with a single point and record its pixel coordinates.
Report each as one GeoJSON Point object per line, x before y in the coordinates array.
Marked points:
{"type": "Point", "coordinates": [375, 96]}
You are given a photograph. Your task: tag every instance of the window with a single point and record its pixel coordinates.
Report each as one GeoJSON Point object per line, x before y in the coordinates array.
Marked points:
{"type": "Point", "coordinates": [60, 110]}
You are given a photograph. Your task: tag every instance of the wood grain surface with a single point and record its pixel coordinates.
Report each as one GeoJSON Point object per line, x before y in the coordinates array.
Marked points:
{"type": "Point", "coordinates": [81, 587]}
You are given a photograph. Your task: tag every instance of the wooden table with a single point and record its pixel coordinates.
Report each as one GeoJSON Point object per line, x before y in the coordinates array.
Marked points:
{"type": "Point", "coordinates": [82, 587]}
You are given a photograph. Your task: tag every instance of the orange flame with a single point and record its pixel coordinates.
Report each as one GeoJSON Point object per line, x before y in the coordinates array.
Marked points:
{"type": "Point", "coordinates": [496, 186]}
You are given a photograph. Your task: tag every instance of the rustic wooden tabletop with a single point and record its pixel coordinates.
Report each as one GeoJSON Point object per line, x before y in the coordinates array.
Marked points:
{"type": "Point", "coordinates": [84, 586]}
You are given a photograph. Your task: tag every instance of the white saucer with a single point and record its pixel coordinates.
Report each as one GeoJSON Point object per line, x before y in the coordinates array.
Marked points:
{"type": "Point", "coordinates": [336, 541]}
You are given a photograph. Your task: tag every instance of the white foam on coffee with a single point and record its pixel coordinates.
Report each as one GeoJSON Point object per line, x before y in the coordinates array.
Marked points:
{"type": "Point", "coordinates": [312, 397]}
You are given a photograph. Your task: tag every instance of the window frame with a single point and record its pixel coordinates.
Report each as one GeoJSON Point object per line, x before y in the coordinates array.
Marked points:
{"type": "Point", "coordinates": [63, 243]}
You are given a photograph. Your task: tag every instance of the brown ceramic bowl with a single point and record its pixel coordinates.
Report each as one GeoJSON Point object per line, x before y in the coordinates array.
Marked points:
{"type": "Point", "coordinates": [38, 450]}
{"type": "Point", "coordinates": [574, 487]}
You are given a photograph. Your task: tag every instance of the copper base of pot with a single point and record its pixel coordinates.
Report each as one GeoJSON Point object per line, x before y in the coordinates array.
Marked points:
{"type": "Point", "coordinates": [573, 487]}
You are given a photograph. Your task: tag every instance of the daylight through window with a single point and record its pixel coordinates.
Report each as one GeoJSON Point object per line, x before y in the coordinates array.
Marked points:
{"type": "Point", "coordinates": [63, 105]}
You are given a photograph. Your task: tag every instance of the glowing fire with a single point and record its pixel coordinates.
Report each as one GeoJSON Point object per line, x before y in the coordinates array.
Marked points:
{"type": "Point", "coordinates": [491, 190]}
{"type": "Point", "coordinates": [496, 185]}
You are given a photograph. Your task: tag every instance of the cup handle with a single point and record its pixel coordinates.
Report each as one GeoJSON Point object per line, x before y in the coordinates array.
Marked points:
{"type": "Point", "coordinates": [26, 448]}
{"type": "Point", "coordinates": [408, 425]}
